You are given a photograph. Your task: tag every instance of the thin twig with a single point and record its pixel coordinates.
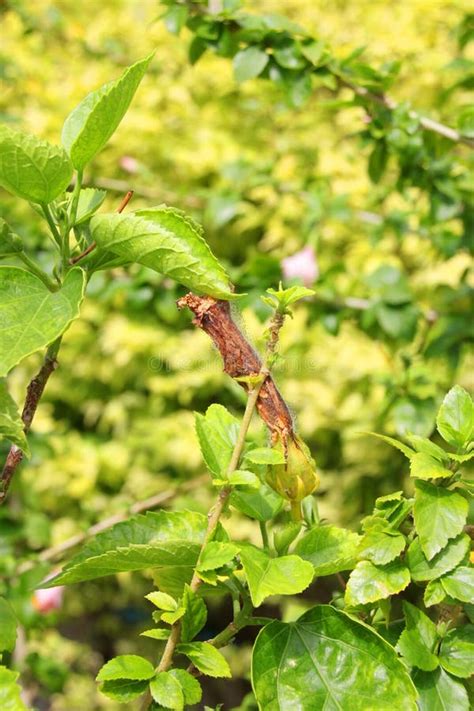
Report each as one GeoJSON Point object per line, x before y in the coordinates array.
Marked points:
{"type": "Point", "coordinates": [33, 395]}
{"type": "Point", "coordinates": [126, 199]}
{"type": "Point", "coordinates": [146, 505]}
{"type": "Point", "coordinates": [216, 511]}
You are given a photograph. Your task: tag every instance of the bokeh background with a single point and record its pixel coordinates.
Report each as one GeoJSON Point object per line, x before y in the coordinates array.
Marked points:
{"type": "Point", "coordinates": [266, 180]}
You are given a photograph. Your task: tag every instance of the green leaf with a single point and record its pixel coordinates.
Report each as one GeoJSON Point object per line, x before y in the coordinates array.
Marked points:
{"type": "Point", "coordinates": [195, 616]}
{"type": "Point", "coordinates": [163, 539]}
{"type": "Point", "coordinates": [162, 601]}
{"type": "Point", "coordinates": [10, 243]}
{"type": "Point", "coordinates": [460, 583]}
{"type": "Point", "coordinates": [262, 505]}
{"type": "Point", "coordinates": [314, 52]}
{"type": "Point", "coordinates": [267, 576]}
{"type": "Point", "coordinates": [283, 298]}
{"type": "Point", "coordinates": [217, 433]}
{"type": "Point", "coordinates": [90, 125]}
{"type": "Point", "coordinates": [167, 241]}
{"type": "Point", "coordinates": [32, 169]}
{"type": "Point", "coordinates": [456, 653]}
{"type": "Point", "coordinates": [381, 547]}
{"type": "Point", "coordinates": [190, 686]}
{"type": "Point", "coordinates": [8, 624]}
{"type": "Point", "coordinates": [249, 63]}
{"type": "Point", "coordinates": [418, 641]}
{"type": "Point", "coordinates": [156, 633]}
{"type": "Point", "coordinates": [90, 199]}
{"type": "Point", "coordinates": [10, 692]}
{"type": "Point", "coordinates": [166, 690]}
{"type": "Point", "coordinates": [378, 161]}
{"type": "Point", "coordinates": [31, 316]}
{"type": "Point", "coordinates": [126, 666]}
{"type": "Point", "coordinates": [395, 443]}
{"type": "Point", "coordinates": [265, 455]}
{"type": "Point", "coordinates": [444, 561]}
{"type": "Point", "coordinates": [242, 477]}
{"type": "Point", "coordinates": [368, 582]}
{"type": "Point", "coordinates": [206, 658]}
{"type": "Point", "coordinates": [439, 516]}
{"type": "Point", "coordinates": [426, 446]}
{"type": "Point", "coordinates": [327, 660]}
{"type": "Point", "coordinates": [455, 420]}
{"type": "Point", "coordinates": [11, 424]}
{"type": "Point", "coordinates": [434, 593]}
{"type": "Point", "coordinates": [440, 692]}
{"type": "Point", "coordinates": [216, 555]}
{"type": "Point", "coordinates": [422, 466]}
{"type": "Point", "coordinates": [330, 549]}
{"type": "Point", "coordinates": [123, 690]}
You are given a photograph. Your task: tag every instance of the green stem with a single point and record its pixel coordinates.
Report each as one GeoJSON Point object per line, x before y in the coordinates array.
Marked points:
{"type": "Point", "coordinates": [75, 200]}
{"type": "Point", "coordinates": [52, 225]}
{"type": "Point", "coordinates": [264, 533]}
{"type": "Point", "coordinates": [37, 271]}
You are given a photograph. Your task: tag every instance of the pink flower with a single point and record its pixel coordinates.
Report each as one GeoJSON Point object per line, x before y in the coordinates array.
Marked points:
{"type": "Point", "coordinates": [47, 600]}
{"type": "Point", "coordinates": [129, 164]}
{"type": "Point", "coordinates": [301, 265]}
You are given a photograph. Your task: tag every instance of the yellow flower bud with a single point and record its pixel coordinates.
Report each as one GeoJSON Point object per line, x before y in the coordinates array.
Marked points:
{"type": "Point", "coordinates": [297, 477]}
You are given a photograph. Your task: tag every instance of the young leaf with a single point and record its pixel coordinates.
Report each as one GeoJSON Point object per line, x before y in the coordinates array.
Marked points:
{"type": "Point", "coordinates": [267, 576]}
{"type": "Point", "coordinates": [294, 666]}
{"type": "Point", "coordinates": [11, 424]}
{"type": "Point", "coordinates": [439, 515]}
{"type": "Point", "coordinates": [216, 555]}
{"type": "Point", "coordinates": [10, 692]}
{"type": "Point", "coordinates": [455, 420]}
{"type": "Point", "coordinates": [25, 300]}
{"type": "Point", "coordinates": [195, 615]}
{"type": "Point", "coordinates": [206, 658]}
{"type": "Point", "coordinates": [422, 569]}
{"type": "Point", "coordinates": [460, 583]}
{"type": "Point", "coordinates": [167, 241]}
{"type": "Point", "coordinates": [164, 539]}
{"type": "Point", "coordinates": [90, 199]}
{"type": "Point", "coordinates": [249, 63]}
{"type": "Point", "coordinates": [418, 641]}
{"type": "Point", "coordinates": [265, 455]}
{"type": "Point", "coordinates": [126, 666]}
{"type": "Point", "coordinates": [156, 633]}
{"type": "Point", "coordinates": [426, 446]}
{"type": "Point", "coordinates": [456, 653]}
{"type": "Point", "coordinates": [217, 432]}
{"type": "Point", "coordinates": [329, 549]}
{"type": "Point", "coordinates": [381, 547]}
{"type": "Point", "coordinates": [440, 692]}
{"type": "Point", "coordinates": [32, 169]}
{"type": "Point", "coordinates": [368, 583]}
{"type": "Point", "coordinates": [262, 505]}
{"type": "Point", "coordinates": [162, 601]}
{"type": "Point", "coordinates": [166, 691]}
{"type": "Point", "coordinates": [90, 125]}
{"type": "Point", "coordinates": [395, 443]}
{"type": "Point", "coordinates": [283, 298]}
{"type": "Point", "coordinates": [8, 624]}
{"type": "Point", "coordinates": [434, 593]}
{"type": "Point", "coordinates": [422, 466]}
{"type": "Point", "coordinates": [123, 690]}
{"type": "Point", "coordinates": [190, 686]}
{"type": "Point", "coordinates": [10, 243]}
{"type": "Point", "coordinates": [242, 477]}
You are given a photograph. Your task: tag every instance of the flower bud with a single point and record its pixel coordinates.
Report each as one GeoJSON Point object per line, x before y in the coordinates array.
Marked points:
{"type": "Point", "coordinates": [297, 477]}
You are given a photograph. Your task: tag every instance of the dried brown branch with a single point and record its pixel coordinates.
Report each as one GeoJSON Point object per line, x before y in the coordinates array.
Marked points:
{"type": "Point", "coordinates": [240, 359]}
{"type": "Point", "coordinates": [33, 395]}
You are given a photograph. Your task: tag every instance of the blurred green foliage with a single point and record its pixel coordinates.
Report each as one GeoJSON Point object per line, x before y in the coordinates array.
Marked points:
{"type": "Point", "coordinates": [267, 175]}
